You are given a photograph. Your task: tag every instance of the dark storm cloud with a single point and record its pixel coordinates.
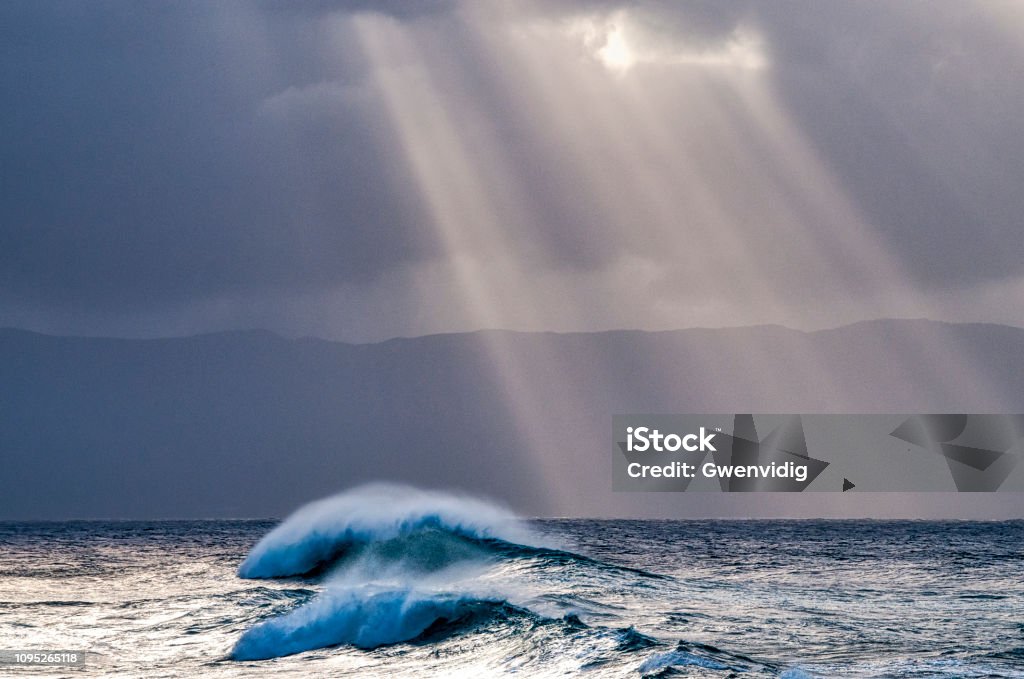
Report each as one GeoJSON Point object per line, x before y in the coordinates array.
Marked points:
{"type": "Point", "coordinates": [142, 166]}
{"type": "Point", "coordinates": [155, 154]}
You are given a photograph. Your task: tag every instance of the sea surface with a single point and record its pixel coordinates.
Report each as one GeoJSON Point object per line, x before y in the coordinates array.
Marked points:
{"type": "Point", "coordinates": [375, 583]}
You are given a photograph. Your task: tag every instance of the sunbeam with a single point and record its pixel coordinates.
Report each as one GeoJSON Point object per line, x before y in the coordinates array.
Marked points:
{"type": "Point", "coordinates": [677, 167]}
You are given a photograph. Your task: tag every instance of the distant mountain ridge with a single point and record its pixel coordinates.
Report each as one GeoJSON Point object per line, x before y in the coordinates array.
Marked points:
{"type": "Point", "coordinates": [251, 424]}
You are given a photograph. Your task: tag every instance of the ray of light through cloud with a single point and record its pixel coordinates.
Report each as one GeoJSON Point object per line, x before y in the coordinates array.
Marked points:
{"type": "Point", "coordinates": [651, 137]}
{"type": "Point", "coordinates": [690, 167]}
{"type": "Point", "coordinates": [361, 171]}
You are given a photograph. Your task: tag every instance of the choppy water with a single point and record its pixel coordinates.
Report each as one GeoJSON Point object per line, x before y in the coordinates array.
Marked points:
{"type": "Point", "coordinates": [450, 593]}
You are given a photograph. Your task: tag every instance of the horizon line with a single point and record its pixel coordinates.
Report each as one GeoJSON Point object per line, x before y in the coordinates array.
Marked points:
{"type": "Point", "coordinates": [399, 338]}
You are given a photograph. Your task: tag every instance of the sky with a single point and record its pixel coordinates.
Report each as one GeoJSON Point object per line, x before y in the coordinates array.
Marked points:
{"type": "Point", "coordinates": [360, 170]}
{"type": "Point", "coordinates": [364, 170]}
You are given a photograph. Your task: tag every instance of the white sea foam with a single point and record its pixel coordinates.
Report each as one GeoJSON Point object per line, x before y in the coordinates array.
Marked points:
{"type": "Point", "coordinates": [374, 514]}
{"type": "Point", "coordinates": [365, 617]}
{"type": "Point", "coordinates": [402, 560]}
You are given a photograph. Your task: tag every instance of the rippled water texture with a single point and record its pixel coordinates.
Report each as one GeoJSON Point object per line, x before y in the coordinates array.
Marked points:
{"type": "Point", "coordinates": [423, 595]}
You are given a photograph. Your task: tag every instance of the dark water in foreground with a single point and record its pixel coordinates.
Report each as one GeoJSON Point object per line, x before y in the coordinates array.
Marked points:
{"type": "Point", "coordinates": [615, 598]}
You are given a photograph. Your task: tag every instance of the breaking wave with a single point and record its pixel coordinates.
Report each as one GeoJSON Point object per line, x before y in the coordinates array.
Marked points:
{"type": "Point", "coordinates": [362, 617]}
{"type": "Point", "coordinates": [404, 523]}
{"type": "Point", "coordinates": [398, 562]}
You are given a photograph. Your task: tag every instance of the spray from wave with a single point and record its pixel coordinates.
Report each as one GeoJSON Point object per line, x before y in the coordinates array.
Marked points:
{"type": "Point", "coordinates": [399, 562]}
{"type": "Point", "coordinates": [326, 531]}
{"type": "Point", "coordinates": [363, 617]}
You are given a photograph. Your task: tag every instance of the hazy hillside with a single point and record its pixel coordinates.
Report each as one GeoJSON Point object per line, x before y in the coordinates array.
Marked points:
{"type": "Point", "coordinates": [251, 424]}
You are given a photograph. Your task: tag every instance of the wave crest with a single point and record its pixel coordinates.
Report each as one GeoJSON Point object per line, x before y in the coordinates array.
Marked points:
{"type": "Point", "coordinates": [364, 617]}
{"type": "Point", "coordinates": [319, 533]}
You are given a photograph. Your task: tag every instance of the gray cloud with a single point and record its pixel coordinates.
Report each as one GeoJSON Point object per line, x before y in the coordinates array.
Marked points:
{"type": "Point", "coordinates": [199, 166]}
{"type": "Point", "coordinates": [144, 164]}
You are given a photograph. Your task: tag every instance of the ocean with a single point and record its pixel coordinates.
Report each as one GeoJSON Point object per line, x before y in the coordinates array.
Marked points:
{"type": "Point", "coordinates": [393, 583]}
